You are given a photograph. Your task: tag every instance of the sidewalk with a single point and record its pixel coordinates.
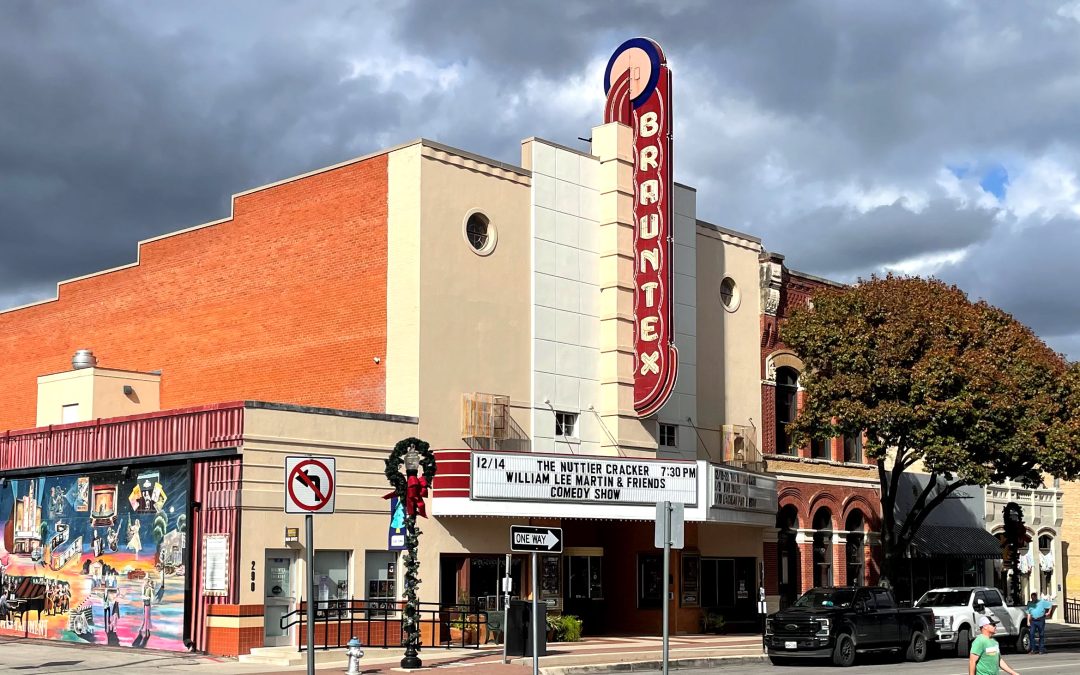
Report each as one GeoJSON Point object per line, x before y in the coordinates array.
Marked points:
{"type": "Point", "coordinates": [591, 655]}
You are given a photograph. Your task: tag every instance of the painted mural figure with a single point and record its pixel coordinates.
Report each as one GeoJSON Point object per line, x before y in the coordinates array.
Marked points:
{"type": "Point", "coordinates": [144, 630]}
{"type": "Point", "coordinates": [112, 616]}
{"type": "Point", "coordinates": [134, 542]}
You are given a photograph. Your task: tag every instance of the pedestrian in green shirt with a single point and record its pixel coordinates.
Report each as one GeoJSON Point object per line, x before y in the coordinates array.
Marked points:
{"type": "Point", "coordinates": [986, 652]}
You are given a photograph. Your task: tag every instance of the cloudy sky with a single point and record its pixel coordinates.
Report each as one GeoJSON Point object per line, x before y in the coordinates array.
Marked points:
{"type": "Point", "coordinates": [933, 138]}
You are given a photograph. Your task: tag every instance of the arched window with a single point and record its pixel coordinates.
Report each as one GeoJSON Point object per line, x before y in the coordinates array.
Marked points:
{"type": "Point", "coordinates": [787, 393]}
{"type": "Point", "coordinates": [823, 547]}
{"type": "Point", "coordinates": [787, 522]}
{"type": "Point", "coordinates": [856, 540]}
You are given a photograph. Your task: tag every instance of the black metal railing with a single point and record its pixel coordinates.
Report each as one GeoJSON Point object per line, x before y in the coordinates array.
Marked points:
{"type": "Point", "coordinates": [1072, 611]}
{"type": "Point", "coordinates": [378, 624]}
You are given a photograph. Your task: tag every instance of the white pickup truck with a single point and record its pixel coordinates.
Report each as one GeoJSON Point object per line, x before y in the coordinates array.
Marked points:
{"type": "Point", "coordinates": [955, 612]}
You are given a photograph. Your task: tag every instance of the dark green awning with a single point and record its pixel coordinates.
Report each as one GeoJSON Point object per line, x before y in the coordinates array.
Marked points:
{"type": "Point", "coordinates": [940, 541]}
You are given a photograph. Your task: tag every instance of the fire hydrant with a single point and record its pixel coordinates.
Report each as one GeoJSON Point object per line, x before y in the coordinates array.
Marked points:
{"type": "Point", "coordinates": [355, 653]}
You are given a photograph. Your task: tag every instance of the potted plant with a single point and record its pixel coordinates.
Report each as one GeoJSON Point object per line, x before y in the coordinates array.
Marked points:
{"type": "Point", "coordinates": [463, 629]}
{"type": "Point", "coordinates": [563, 628]}
{"type": "Point", "coordinates": [712, 621]}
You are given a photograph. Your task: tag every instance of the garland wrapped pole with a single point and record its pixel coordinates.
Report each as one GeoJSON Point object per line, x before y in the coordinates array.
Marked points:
{"type": "Point", "coordinates": [410, 488]}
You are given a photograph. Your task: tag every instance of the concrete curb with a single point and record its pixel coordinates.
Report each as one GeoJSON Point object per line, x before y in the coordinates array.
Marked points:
{"type": "Point", "coordinates": [638, 666]}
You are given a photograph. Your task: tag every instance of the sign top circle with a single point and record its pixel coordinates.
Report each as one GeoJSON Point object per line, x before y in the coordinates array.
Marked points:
{"type": "Point", "coordinates": [307, 490]}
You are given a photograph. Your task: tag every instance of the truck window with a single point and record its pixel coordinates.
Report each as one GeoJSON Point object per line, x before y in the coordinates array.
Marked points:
{"type": "Point", "coordinates": [884, 600]}
{"type": "Point", "coordinates": [980, 596]}
{"type": "Point", "coordinates": [993, 598]}
{"type": "Point", "coordinates": [863, 596]}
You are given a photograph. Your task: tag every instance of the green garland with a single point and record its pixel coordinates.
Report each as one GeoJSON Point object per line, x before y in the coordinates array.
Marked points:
{"type": "Point", "coordinates": [395, 475]}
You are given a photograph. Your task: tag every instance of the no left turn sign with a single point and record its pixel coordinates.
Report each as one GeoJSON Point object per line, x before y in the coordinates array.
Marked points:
{"type": "Point", "coordinates": [309, 484]}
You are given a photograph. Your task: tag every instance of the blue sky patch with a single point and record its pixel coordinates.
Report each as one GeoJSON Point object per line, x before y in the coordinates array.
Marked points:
{"type": "Point", "coordinates": [995, 181]}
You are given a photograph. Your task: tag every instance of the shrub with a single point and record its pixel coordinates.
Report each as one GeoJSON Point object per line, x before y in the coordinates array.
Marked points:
{"type": "Point", "coordinates": [564, 627]}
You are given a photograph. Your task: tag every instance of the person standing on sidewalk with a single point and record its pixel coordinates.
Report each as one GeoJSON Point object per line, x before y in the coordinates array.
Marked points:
{"type": "Point", "coordinates": [985, 656]}
{"type": "Point", "coordinates": [1036, 611]}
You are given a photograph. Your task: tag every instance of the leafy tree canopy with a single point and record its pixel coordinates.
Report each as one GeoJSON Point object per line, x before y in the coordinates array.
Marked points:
{"type": "Point", "coordinates": [931, 377]}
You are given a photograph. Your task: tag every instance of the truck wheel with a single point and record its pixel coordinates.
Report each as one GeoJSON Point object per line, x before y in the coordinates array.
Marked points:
{"type": "Point", "coordinates": [963, 643]}
{"type": "Point", "coordinates": [843, 654]}
{"type": "Point", "coordinates": [1023, 640]}
{"type": "Point", "coordinates": [917, 648]}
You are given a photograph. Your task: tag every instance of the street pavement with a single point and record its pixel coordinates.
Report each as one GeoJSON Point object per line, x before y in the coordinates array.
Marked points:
{"type": "Point", "coordinates": [1063, 663]}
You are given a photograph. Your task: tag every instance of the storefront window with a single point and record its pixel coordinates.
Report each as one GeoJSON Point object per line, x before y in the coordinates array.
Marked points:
{"type": "Point", "coordinates": [332, 575]}
{"type": "Point", "coordinates": [823, 548]}
{"type": "Point", "coordinates": [855, 553]}
{"type": "Point", "coordinates": [584, 577]}
{"type": "Point", "coordinates": [650, 581]}
{"type": "Point", "coordinates": [380, 578]}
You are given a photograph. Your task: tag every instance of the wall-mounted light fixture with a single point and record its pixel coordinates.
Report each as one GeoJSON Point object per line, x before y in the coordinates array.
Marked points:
{"type": "Point", "coordinates": [128, 390]}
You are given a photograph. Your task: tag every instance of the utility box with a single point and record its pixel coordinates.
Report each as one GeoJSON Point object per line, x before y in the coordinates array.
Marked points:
{"type": "Point", "coordinates": [519, 629]}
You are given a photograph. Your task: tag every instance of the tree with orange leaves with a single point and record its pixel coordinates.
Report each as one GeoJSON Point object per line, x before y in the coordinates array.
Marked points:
{"type": "Point", "coordinates": [935, 382]}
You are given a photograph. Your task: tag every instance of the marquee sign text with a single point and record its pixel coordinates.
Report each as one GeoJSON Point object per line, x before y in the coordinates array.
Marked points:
{"type": "Point", "coordinates": [568, 478]}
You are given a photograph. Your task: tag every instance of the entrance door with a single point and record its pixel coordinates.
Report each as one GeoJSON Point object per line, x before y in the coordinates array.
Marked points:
{"type": "Point", "coordinates": [280, 597]}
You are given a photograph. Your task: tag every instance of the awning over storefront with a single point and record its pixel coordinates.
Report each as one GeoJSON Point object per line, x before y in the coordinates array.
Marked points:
{"type": "Point", "coordinates": [940, 541]}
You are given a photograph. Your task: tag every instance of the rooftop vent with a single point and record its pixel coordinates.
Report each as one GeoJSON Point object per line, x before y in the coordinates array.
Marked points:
{"type": "Point", "coordinates": [84, 358]}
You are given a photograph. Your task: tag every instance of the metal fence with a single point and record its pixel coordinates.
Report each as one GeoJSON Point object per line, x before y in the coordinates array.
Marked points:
{"type": "Point", "coordinates": [1072, 611]}
{"type": "Point", "coordinates": [378, 624]}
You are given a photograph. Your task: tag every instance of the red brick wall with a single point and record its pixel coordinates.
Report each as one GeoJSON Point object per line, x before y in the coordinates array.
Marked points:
{"type": "Point", "coordinates": [286, 301]}
{"type": "Point", "coordinates": [841, 500]}
{"type": "Point", "coordinates": [234, 641]}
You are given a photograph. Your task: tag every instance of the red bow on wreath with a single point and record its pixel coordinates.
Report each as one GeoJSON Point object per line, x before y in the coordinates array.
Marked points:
{"type": "Point", "coordinates": [415, 491]}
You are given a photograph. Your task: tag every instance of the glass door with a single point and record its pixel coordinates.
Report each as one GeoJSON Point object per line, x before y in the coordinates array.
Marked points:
{"type": "Point", "coordinates": [279, 597]}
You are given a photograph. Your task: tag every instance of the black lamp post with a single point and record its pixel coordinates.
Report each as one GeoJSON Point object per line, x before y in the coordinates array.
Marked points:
{"type": "Point", "coordinates": [410, 489]}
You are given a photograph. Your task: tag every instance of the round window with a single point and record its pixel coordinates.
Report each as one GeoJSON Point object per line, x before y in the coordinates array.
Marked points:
{"type": "Point", "coordinates": [480, 233]}
{"type": "Point", "coordinates": [729, 294]}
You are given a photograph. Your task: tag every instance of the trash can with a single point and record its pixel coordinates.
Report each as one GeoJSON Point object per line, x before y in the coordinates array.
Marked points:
{"type": "Point", "coordinates": [519, 629]}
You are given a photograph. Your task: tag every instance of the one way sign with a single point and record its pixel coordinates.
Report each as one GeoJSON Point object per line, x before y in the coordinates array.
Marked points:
{"type": "Point", "coordinates": [525, 539]}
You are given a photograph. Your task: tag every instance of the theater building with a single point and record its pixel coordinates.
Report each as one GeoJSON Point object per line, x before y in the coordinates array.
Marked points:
{"type": "Point", "coordinates": [565, 332]}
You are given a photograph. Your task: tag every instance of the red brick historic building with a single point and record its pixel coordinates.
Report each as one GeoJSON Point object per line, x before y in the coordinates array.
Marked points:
{"type": "Point", "coordinates": [828, 503]}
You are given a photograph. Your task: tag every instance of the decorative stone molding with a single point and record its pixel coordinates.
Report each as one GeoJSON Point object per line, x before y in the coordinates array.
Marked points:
{"type": "Point", "coordinates": [771, 278]}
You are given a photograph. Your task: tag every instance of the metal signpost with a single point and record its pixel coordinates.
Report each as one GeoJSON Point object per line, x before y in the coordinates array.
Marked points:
{"type": "Point", "coordinates": [669, 535]}
{"type": "Point", "coordinates": [309, 489]}
{"type": "Point", "coordinates": [508, 584]}
{"type": "Point", "coordinates": [535, 540]}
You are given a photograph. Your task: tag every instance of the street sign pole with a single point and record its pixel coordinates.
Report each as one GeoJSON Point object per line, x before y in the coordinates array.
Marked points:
{"type": "Point", "coordinates": [506, 603]}
{"type": "Point", "coordinates": [667, 572]}
{"type": "Point", "coordinates": [535, 615]}
{"type": "Point", "coordinates": [309, 524]}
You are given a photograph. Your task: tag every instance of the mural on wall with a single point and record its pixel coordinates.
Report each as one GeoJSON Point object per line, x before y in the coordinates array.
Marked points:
{"type": "Point", "coordinates": [95, 558]}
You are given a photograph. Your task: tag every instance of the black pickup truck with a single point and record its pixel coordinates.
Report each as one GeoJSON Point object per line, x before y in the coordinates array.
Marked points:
{"type": "Point", "coordinates": [837, 623]}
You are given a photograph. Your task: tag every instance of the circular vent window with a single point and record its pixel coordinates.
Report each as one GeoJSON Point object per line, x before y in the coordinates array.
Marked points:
{"type": "Point", "coordinates": [480, 233]}
{"type": "Point", "coordinates": [729, 294]}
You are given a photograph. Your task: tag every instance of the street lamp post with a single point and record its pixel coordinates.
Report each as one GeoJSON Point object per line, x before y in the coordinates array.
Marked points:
{"type": "Point", "coordinates": [410, 489]}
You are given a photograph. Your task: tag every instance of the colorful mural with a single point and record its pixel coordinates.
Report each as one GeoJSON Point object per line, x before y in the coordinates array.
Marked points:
{"type": "Point", "coordinates": [95, 558]}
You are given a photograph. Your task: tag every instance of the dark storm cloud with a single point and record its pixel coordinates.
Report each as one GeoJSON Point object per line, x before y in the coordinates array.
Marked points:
{"type": "Point", "coordinates": [115, 129]}
{"type": "Point", "coordinates": [844, 239]}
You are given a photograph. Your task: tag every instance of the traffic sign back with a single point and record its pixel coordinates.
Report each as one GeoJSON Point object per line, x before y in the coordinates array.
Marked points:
{"type": "Point", "coordinates": [527, 539]}
{"type": "Point", "coordinates": [310, 484]}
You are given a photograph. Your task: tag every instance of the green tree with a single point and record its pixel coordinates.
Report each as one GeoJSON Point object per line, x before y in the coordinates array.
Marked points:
{"type": "Point", "coordinates": [936, 382]}
{"type": "Point", "coordinates": [158, 532]}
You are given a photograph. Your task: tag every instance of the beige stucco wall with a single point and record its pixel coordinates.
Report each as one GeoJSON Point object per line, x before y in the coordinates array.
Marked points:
{"type": "Point", "coordinates": [99, 393]}
{"type": "Point", "coordinates": [361, 514]}
{"type": "Point", "coordinates": [1069, 561]}
{"type": "Point", "coordinates": [474, 309]}
{"type": "Point", "coordinates": [729, 377]}
{"type": "Point", "coordinates": [403, 282]}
